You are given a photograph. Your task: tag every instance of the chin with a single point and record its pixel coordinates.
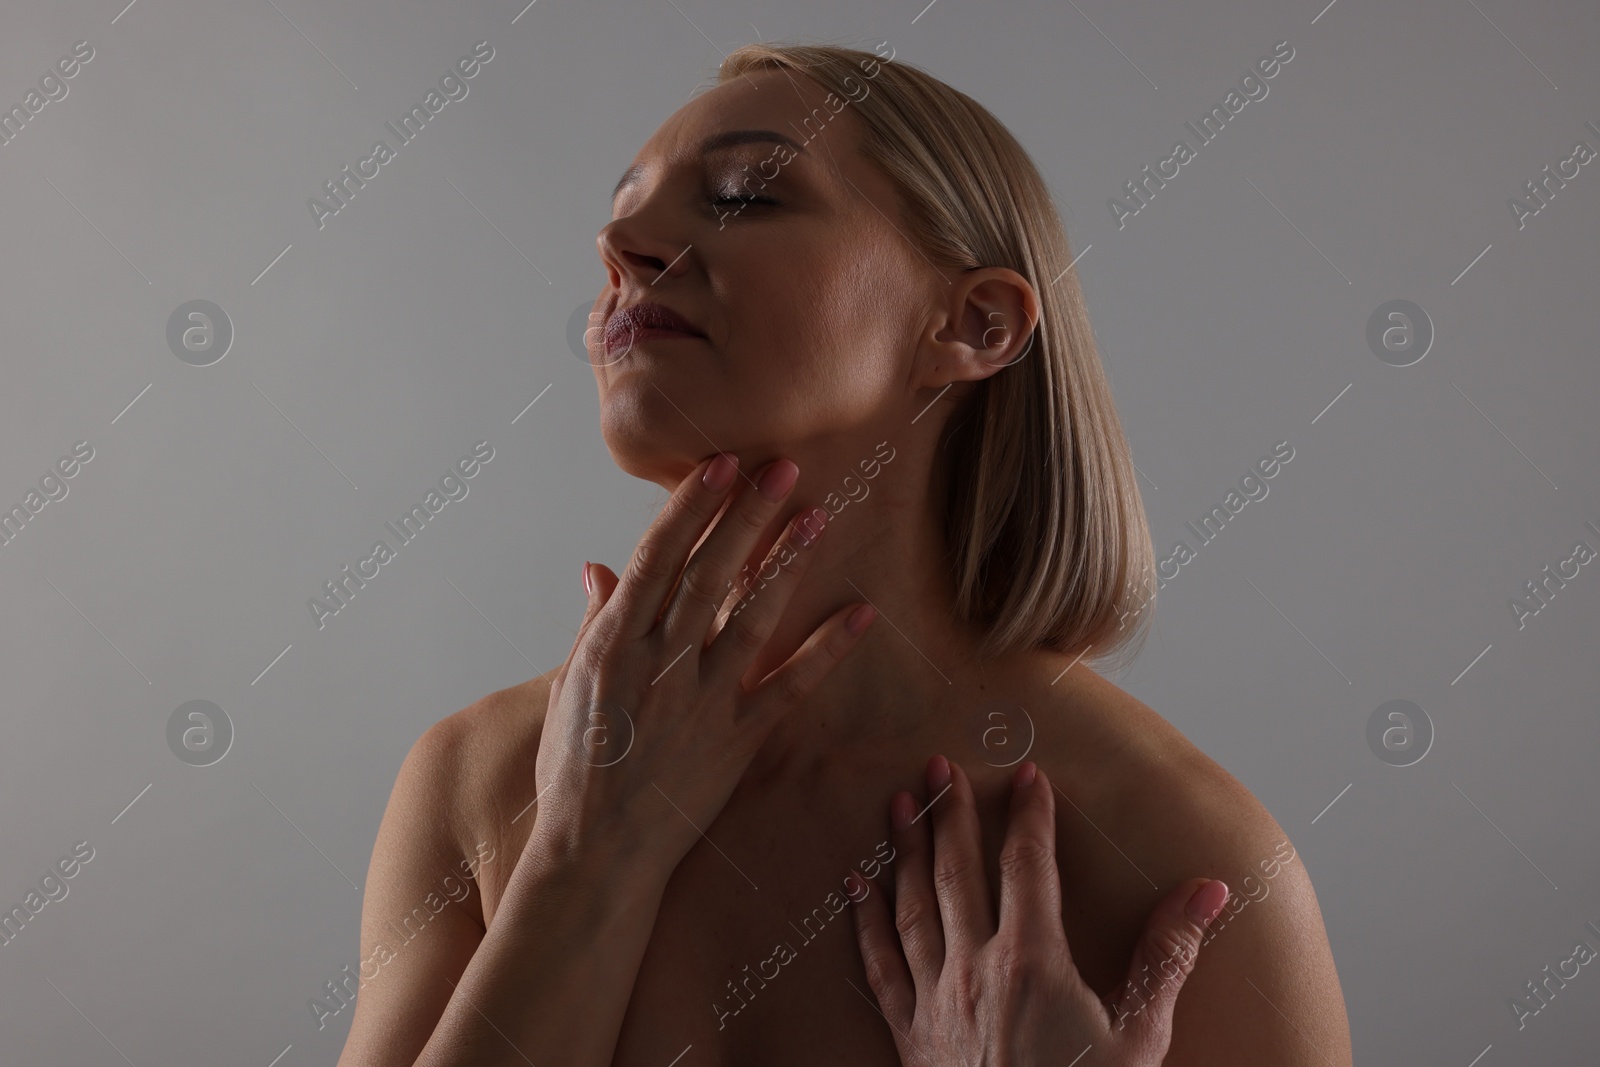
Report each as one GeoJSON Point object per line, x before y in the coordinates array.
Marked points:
{"type": "Point", "coordinates": [650, 439]}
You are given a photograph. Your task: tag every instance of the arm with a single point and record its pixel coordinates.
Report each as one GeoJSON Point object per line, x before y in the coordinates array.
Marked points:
{"type": "Point", "coordinates": [401, 991]}
{"type": "Point", "coordinates": [550, 978]}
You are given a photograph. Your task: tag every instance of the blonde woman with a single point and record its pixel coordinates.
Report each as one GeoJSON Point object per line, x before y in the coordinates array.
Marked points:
{"type": "Point", "coordinates": [750, 821]}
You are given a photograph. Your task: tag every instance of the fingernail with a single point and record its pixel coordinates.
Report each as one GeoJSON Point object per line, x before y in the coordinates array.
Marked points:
{"type": "Point", "coordinates": [588, 586]}
{"type": "Point", "coordinates": [938, 773]}
{"type": "Point", "coordinates": [853, 883]}
{"type": "Point", "coordinates": [858, 620]}
{"type": "Point", "coordinates": [900, 811]}
{"type": "Point", "coordinates": [1206, 902]}
{"type": "Point", "coordinates": [719, 475]}
{"type": "Point", "coordinates": [1024, 776]}
{"type": "Point", "coordinates": [778, 479]}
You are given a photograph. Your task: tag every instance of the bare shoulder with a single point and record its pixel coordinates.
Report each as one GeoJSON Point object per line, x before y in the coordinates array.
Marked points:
{"type": "Point", "coordinates": [1127, 768]}
{"type": "Point", "coordinates": [463, 772]}
{"type": "Point", "coordinates": [495, 734]}
{"type": "Point", "coordinates": [437, 859]}
{"type": "Point", "coordinates": [1264, 989]}
{"type": "Point", "coordinates": [1193, 803]}
{"type": "Point", "coordinates": [486, 752]}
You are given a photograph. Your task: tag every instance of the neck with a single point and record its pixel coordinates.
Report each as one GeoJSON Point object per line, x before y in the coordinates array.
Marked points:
{"type": "Point", "coordinates": [908, 677]}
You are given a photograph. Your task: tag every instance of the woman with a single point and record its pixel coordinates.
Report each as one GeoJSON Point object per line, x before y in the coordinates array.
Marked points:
{"type": "Point", "coordinates": [746, 823]}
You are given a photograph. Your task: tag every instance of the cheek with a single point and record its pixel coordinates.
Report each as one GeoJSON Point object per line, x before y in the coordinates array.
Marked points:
{"type": "Point", "coordinates": [874, 306]}
{"type": "Point", "coordinates": [823, 345]}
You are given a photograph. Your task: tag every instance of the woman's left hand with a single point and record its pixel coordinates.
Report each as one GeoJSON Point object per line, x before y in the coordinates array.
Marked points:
{"type": "Point", "coordinates": [957, 989]}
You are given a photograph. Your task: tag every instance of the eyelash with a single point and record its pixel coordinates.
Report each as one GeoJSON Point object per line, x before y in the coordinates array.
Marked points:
{"type": "Point", "coordinates": [745, 200]}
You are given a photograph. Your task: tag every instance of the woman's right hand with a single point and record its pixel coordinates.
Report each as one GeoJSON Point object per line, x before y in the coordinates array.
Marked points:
{"type": "Point", "coordinates": [649, 726]}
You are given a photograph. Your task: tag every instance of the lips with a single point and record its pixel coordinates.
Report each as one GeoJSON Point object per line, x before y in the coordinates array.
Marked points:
{"type": "Point", "coordinates": [640, 321]}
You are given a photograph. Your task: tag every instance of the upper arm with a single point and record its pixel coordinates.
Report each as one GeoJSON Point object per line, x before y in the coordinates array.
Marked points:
{"type": "Point", "coordinates": [420, 912]}
{"type": "Point", "coordinates": [1264, 989]}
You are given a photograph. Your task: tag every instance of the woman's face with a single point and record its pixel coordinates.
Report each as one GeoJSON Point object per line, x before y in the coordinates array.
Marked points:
{"type": "Point", "coordinates": [809, 297]}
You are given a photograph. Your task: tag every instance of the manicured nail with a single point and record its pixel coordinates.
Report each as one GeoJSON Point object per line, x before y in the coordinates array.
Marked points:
{"type": "Point", "coordinates": [901, 811]}
{"type": "Point", "coordinates": [1206, 902]}
{"type": "Point", "coordinates": [719, 475]}
{"type": "Point", "coordinates": [588, 586]}
{"type": "Point", "coordinates": [938, 773]}
{"type": "Point", "coordinates": [778, 479]}
{"type": "Point", "coordinates": [1024, 776]}
{"type": "Point", "coordinates": [858, 620]}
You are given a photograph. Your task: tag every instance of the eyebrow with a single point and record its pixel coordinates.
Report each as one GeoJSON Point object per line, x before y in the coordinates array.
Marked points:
{"type": "Point", "coordinates": [716, 142]}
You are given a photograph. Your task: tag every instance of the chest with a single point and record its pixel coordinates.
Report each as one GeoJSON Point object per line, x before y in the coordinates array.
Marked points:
{"type": "Point", "coordinates": [754, 959]}
{"type": "Point", "coordinates": [757, 965]}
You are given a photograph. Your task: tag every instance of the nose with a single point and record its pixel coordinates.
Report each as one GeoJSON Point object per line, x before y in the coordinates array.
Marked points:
{"type": "Point", "coordinates": [639, 251]}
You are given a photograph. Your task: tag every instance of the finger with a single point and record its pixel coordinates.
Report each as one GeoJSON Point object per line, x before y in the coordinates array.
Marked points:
{"type": "Point", "coordinates": [1030, 884]}
{"type": "Point", "coordinates": [880, 955]}
{"type": "Point", "coordinates": [604, 582]}
{"type": "Point", "coordinates": [1163, 959]}
{"type": "Point", "coordinates": [710, 572]}
{"type": "Point", "coordinates": [599, 584]}
{"type": "Point", "coordinates": [916, 911]}
{"type": "Point", "coordinates": [802, 531]}
{"type": "Point", "coordinates": [659, 558]}
{"type": "Point", "coordinates": [762, 598]}
{"type": "Point", "coordinates": [798, 676]}
{"type": "Point", "coordinates": [959, 879]}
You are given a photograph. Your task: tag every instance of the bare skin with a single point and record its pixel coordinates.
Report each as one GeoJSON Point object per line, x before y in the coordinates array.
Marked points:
{"type": "Point", "coordinates": [1139, 794]}
{"type": "Point", "coordinates": [826, 334]}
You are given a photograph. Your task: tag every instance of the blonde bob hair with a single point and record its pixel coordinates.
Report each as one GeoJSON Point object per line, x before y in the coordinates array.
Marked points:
{"type": "Point", "coordinates": [1046, 531]}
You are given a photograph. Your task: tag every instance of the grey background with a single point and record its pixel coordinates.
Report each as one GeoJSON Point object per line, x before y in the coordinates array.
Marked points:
{"type": "Point", "coordinates": [1232, 312]}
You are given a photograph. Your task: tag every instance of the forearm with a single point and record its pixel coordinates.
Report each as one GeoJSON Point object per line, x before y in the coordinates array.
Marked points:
{"type": "Point", "coordinates": [552, 977]}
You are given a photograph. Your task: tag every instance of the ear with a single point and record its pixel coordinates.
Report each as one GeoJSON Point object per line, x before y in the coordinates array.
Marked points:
{"type": "Point", "coordinates": [985, 324]}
